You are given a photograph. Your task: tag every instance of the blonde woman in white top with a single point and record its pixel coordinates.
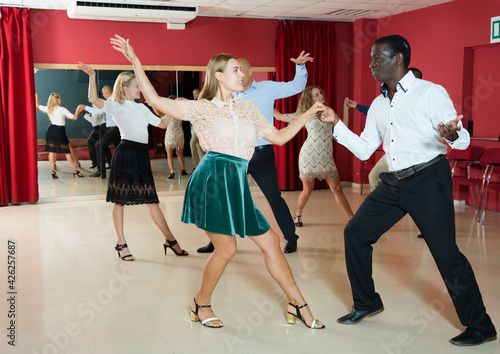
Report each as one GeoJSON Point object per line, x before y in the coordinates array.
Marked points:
{"type": "Point", "coordinates": [218, 198]}
{"type": "Point", "coordinates": [131, 180]}
{"type": "Point", "coordinates": [57, 141]}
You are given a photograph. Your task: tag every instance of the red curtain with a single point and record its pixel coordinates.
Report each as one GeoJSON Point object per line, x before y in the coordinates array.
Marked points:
{"type": "Point", "coordinates": [317, 38]}
{"type": "Point", "coordinates": [18, 156]}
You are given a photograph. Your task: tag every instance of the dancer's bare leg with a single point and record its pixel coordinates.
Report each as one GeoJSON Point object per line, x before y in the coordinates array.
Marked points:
{"type": "Point", "coordinates": [73, 155]}
{"type": "Point", "coordinates": [336, 188]}
{"type": "Point", "coordinates": [170, 159]}
{"type": "Point", "coordinates": [277, 266]}
{"type": "Point", "coordinates": [307, 188]}
{"type": "Point", "coordinates": [52, 160]}
{"type": "Point", "coordinates": [180, 155]}
{"type": "Point", "coordinates": [71, 162]}
{"type": "Point", "coordinates": [160, 221]}
{"type": "Point", "coordinates": [118, 216]}
{"type": "Point", "coordinates": [225, 249]}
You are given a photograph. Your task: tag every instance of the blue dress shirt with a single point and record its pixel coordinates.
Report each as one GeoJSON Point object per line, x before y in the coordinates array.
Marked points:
{"type": "Point", "coordinates": [264, 93]}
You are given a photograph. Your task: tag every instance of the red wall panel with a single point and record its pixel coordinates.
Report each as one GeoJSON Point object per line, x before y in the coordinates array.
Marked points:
{"type": "Point", "coordinates": [59, 39]}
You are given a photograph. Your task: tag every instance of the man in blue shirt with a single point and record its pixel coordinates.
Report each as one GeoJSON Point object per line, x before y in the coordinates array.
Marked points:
{"type": "Point", "coordinates": [262, 166]}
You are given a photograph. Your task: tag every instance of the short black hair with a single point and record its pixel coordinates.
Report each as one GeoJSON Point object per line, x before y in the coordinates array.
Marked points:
{"type": "Point", "coordinates": [397, 44]}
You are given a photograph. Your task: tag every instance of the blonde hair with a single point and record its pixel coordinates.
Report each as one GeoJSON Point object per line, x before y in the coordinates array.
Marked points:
{"type": "Point", "coordinates": [306, 100]}
{"type": "Point", "coordinates": [123, 80]}
{"type": "Point", "coordinates": [52, 102]}
{"type": "Point", "coordinates": [218, 63]}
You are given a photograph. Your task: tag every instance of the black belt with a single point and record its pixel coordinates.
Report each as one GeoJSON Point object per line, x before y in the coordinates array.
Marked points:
{"type": "Point", "coordinates": [261, 147]}
{"type": "Point", "coordinates": [410, 171]}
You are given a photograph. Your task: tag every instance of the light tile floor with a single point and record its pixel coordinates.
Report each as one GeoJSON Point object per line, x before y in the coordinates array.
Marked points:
{"type": "Point", "coordinates": [74, 295]}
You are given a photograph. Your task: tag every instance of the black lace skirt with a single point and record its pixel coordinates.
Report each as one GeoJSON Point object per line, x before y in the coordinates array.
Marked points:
{"type": "Point", "coordinates": [56, 140]}
{"type": "Point", "coordinates": [130, 178]}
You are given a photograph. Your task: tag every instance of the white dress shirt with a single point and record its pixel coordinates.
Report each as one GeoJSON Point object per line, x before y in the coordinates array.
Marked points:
{"type": "Point", "coordinates": [406, 125]}
{"type": "Point", "coordinates": [109, 118]}
{"type": "Point", "coordinates": [97, 118]}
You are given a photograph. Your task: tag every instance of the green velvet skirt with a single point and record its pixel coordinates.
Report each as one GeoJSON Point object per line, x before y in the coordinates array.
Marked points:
{"type": "Point", "coordinates": [218, 198]}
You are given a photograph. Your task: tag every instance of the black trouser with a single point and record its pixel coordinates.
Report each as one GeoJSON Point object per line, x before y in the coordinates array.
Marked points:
{"type": "Point", "coordinates": [428, 197]}
{"type": "Point", "coordinates": [112, 136]}
{"type": "Point", "coordinates": [97, 133]}
{"type": "Point", "coordinates": [262, 167]}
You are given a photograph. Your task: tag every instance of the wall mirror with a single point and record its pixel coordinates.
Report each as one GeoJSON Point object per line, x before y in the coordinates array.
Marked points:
{"type": "Point", "coordinates": [72, 85]}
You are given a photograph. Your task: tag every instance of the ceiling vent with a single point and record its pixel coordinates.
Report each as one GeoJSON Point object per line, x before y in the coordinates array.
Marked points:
{"type": "Point", "coordinates": [140, 11]}
{"type": "Point", "coordinates": [347, 12]}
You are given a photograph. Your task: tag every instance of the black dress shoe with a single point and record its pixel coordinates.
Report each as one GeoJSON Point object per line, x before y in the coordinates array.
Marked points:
{"type": "Point", "coordinates": [93, 166]}
{"type": "Point", "coordinates": [290, 247]}
{"type": "Point", "coordinates": [474, 337]}
{"type": "Point", "coordinates": [209, 248]}
{"type": "Point", "coordinates": [171, 176]}
{"type": "Point", "coordinates": [97, 174]}
{"type": "Point", "coordinates": [356, 316]}
{"type": "Point", "coordinates": [184, 173]}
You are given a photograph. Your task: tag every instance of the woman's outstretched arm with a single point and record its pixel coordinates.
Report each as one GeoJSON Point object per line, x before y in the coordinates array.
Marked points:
{"type": "Point", "coordinates": [282, 136]}
{"type": "Point", "coordinates": [93, 98]}
{"type": "Point", "coordinates": [162, 104]}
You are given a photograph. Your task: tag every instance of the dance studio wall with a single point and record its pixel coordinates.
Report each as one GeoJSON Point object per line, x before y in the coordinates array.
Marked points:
{"type": "Point", "coordinates": [59, 39]}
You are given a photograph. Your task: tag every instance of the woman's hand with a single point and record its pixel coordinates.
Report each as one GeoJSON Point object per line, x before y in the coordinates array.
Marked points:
{"type": "Point", "coordinates": [316, 108]}
{"type": "Point", "coordinates": [329, 116]}
{"type": "Point", "coordinates": [86, 68]}
{"type": "Point", "coordinates": [122, 45]}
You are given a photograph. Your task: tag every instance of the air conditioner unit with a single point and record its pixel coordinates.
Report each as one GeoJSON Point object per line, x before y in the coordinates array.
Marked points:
{"type": "Point", "coordinates": [141, 11]}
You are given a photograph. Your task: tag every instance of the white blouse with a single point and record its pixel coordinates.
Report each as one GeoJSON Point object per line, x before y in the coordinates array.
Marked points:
{"type": "Point", "coordinates": [132, 119]}
{"type": "Point", "coordinates": [58, 115]}
{"type": "Point", "coordinates": [226, 127]}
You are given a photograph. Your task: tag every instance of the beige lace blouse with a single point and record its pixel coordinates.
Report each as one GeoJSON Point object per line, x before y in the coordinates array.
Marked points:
{"type": "Point", "coordinates": [226, 127]}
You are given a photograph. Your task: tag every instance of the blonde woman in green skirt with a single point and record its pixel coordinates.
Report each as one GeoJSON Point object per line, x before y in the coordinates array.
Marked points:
{"type": "Point", "coordinates": [218, 198]}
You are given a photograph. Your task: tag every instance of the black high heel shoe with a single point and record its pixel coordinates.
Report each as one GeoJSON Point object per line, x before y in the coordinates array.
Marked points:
{"type": "Point", "coordinates": [171, 176]}
{"type": "Point", "coordinates": [290, 317]}
{"type": "Point", "coordinates": [54, 174]}
{"type": "Point", "coordinates": [79, 165]}
{"type": "Point", "coordinates": [128, 257]}
{"type": "Point", "coordinates": [297, 220]}
{"type": "Point", "coordinates": [171, 245]}
{"type": "Point", "coordinates": [208, 321]}
{"type": "Point", "coordinates": [77, 173]}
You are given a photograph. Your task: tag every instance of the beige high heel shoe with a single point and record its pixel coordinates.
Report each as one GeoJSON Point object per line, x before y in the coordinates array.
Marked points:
{"type": "Point", "coordinates": [291, 318]}
{"type": "Point", "coordinates": [208, 321]}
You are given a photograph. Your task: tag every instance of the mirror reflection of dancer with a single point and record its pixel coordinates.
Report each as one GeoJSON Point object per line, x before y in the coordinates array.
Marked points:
{"type": "Point", "coordinates": [316, 154]}
{"type": "Point", "coordinates": [131, 179]}
{"type": "Point", "coordinates": [174, 141]}
{"type": "Point", "coordinates": [57, 141]}
{"type": "Point", "coordinates": [218, 198]}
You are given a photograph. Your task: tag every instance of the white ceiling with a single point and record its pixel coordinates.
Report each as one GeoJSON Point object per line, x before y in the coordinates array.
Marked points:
{"type": "Point", "coordinates": [301, 9]}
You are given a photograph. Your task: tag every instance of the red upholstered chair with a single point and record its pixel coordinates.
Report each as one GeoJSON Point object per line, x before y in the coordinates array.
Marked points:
{"type": "Point", "coordinates": [491, 175]}
{"type": "Point", "coordinates": [461, 162]}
